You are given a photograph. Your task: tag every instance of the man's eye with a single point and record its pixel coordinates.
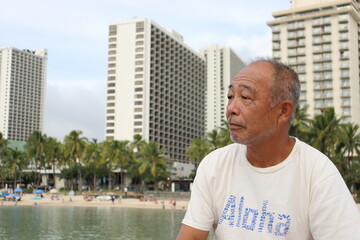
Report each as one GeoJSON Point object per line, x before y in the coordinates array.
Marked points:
{"type": "Point", "coordinates": [230, 97]}
{"type": "Point", "coordinates": [244, 97]}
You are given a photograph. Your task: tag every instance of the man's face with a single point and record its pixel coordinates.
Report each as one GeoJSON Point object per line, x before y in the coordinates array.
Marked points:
{"type": "Point", "coordinates": [251, 117]}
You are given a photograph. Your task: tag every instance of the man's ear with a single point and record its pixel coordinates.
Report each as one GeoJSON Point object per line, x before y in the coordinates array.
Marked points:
{"type": "Point", "coordinates": [286, 110]}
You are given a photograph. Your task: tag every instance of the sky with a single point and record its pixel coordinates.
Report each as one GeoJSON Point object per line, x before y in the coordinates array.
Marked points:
{"type": "Point", "coordinates": [75, 33]}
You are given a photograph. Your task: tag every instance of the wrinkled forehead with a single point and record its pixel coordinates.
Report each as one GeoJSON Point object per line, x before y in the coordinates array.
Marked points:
{"type": "Point", "coordinates": [258, 73]}
{"type": "Point", "coordinates": [243, 86]}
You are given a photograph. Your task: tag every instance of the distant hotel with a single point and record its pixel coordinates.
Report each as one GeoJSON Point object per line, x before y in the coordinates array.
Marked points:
{"type": "Point", "coordinates": [320, 39]}
{"type": "Point", "coordinates": [155, 87]}
{"type": "Point", "coordinates": [22, 91]}
{"type": "Point", "coordinates": [158, 87]}
{"type": "Point", "coordinates": [222, 66]}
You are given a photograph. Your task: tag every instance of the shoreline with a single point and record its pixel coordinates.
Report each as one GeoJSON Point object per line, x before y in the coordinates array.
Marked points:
{"type": "Point", "coordinates": [79, 201]}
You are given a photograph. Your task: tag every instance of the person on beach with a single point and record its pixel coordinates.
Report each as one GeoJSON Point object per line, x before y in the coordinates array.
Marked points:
{"type": "Point", "coordinates": [268, 185]}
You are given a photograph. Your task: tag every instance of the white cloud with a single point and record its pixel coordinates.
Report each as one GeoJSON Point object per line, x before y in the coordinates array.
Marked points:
{"type": "Point", "coordinates": [75, 34]}
{"type": "Point", "coordinates": [78, 104]}
{"type": "Point", "coordinates": [251, 47]}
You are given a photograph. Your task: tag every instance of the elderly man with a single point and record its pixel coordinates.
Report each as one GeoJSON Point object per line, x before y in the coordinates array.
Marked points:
{"type": "Point", "coordinates": [268, 185]}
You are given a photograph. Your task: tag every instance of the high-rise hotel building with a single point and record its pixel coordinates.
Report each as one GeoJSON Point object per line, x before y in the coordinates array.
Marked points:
{"type": "Point", "coordinates": [222, 66]}
{"type": "Point", "coordinates": [22, 91]}
{"type": "Point", "coordinates": [155, 87]}
{"type": "Point", "coordinates": [320, 39]}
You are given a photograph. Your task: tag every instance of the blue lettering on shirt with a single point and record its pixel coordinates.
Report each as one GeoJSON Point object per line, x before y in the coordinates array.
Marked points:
{"type": "Point", "coordinates": [250, 225]}
{"type": "Point", "coordinates": [253, 219]}
{"type": "Point", "coordinates": [265, 214]}
{"type": "Point", "coordinates": [230, 206]}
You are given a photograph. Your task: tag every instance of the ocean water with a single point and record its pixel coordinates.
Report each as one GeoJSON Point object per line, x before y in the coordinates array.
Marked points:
{"type": "Point", "coordinates": [28, 222]}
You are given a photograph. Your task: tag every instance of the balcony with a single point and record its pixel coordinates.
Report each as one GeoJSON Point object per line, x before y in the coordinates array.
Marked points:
{"type": "Point", "coordinates": [344, 45]}
{"type": "Point", "coordinates": [344, 37]}
{"type": "Point", "coordinates": [276, 28]}
{"type": "Point", "coordinates": [343, 18]}
{"type": "Point", "coordinates": [345, 83]}
{"type": "Point", "coordinates": [276, 37]}
{"type": "Point", "coordinates": [343, 28]}
{"type": "Point", "coordinates": [292, 35]}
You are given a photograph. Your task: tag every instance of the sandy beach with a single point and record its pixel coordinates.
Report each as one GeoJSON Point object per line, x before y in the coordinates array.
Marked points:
{"type": "Point", "coordinates": [79, 201]}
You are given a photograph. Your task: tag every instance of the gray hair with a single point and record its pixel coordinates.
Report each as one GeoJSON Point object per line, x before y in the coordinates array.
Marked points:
{"type": "Point", "coordinates": [285, 84]}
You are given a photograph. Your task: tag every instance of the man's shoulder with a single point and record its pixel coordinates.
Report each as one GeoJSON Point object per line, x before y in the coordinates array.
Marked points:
{"type": "Point", "coordinates": [308, 150]}
{"type": "Point", "coordinates": [316, 161]}
{"type": "Point", "coordinates": [225, 154]}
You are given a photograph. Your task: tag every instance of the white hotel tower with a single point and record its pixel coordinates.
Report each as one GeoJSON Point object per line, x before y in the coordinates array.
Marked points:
{"type": "Point", "coordinates": [22, 92]}
{"type": "Point", "coordinates": [320, 39]}
{"type": "Point", "coordinates": [155, 87]}
{"type": "Point", "coordinates": [222, 66]}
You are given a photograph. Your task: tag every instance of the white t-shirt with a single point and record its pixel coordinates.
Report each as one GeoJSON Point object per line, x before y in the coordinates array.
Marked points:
{"type": "Point", "coordinates": [304, 197]}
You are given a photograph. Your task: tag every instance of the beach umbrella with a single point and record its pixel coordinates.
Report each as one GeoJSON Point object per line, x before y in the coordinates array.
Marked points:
{"type": "Point", "coordinates": [15, 195]}
{"type": "Point", "coordinates": [38, 191]}
{"type": "Point", "coordinates": [18, 190]}
{"type": "Point", "coordinates": [71, 193]}
{"type": "Point", "coordinates": [53, 191]}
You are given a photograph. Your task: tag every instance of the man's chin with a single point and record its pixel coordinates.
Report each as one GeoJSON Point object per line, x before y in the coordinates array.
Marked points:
{"type": "Point", "coordinates": [236, 139]}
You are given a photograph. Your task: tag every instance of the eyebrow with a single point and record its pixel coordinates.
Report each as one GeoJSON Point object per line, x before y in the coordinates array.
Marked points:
{"type": "Point", "coordinates": [252, 90]}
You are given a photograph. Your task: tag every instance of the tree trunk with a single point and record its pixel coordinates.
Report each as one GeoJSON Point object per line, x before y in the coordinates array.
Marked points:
{"type": "Point", "coordinates": [46, 177]}
{"type": "Point", "coordinates": [142, 188]}
{"type": "Point", "coordinates": [37, 176]}
{"type": "Point", "coordinates": [109, 180]}
{"type": "Point", "coordinates": [53, 167]}
{"type": "Point", "coordinates": [14, 182]}
{"type": "Point", "coordinates": [2, 177]}
{"type": "Point", "coordinates": [121, 180]}
{"type": "Point", "coordinates": [80, 180]}
{"type": "Point", "coordinates": [94, 181]}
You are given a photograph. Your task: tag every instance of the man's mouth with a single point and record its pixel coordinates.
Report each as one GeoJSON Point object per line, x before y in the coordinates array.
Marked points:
{"type": "Point", "coordinates": [235, 125]}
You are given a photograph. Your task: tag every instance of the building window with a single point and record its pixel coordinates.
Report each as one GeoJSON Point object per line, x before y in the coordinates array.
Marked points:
{"type": "Point", "coordinates": [138, 89]}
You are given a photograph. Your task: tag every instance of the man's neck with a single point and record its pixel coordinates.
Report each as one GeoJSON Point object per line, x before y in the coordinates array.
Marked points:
{"type": "Point", "coordinates": [271, 153]}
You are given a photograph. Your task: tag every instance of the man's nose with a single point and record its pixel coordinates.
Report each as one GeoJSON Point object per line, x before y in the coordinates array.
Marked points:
{"type": "Point", "coordinates": [233, 108]}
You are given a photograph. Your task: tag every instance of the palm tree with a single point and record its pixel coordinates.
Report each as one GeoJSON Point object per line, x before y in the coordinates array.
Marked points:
{"type": "Point", "coordinates": [53, 153]}
{"type": "Point", "coordinates": [350, 138]}
{"type": "Point", "coordinates": [214, 139]}
{"type": "Point", "coordinates": [197, 150]}
{"type": "Point", "coordinates": [3, 153]}
{"type": "Point", "coordinates": [16, 163]}
{"type": "Point", "coordinates": [323, 131]}
{"type": "Point", "coordinates": [74, 146]}
{"type": "Point", "coordinates": [224, 135]}
{"type": "Point", "coordinates": [300, 124]}
{"type": "Point", "coordinates": [35, 148]}
{"type": "Point", "coordinates": [3, 144]}
{"type": "Point", "coordinates": [152, 163]}
{"type": "Point", "coordinates": [117, 154]}
{"type": "Point", "coordinates": [349, 144]}
{"type": "Point", "coordinates": [92, 158]}
{"type": "Point", "coordinates": [137, 143]}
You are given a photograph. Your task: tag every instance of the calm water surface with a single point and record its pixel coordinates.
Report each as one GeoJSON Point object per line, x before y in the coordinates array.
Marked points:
{"type": "Point", "coordinates": [27, 222]}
